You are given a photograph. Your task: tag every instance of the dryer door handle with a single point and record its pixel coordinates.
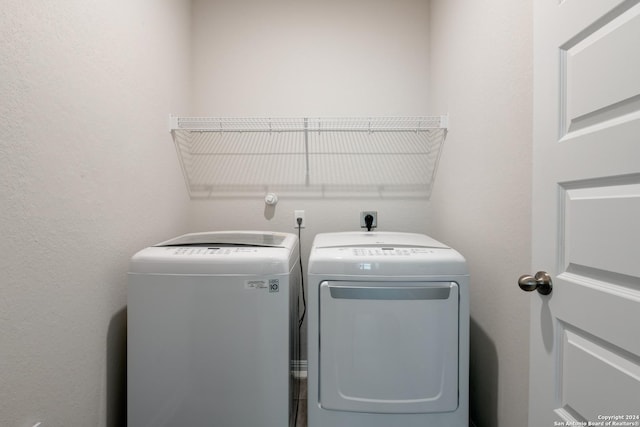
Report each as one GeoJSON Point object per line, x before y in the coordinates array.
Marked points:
{"type": "Point", "coordinates": [390, 293]}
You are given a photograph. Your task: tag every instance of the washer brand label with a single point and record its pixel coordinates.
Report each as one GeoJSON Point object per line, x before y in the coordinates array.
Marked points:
{"type": "Point", "coordinates": [255, 284]}
{"type": "Point", "coordinates": [272, 284]}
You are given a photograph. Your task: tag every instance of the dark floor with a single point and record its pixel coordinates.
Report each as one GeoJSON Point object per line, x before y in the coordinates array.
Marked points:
{"type": "Point", "coordinates": [301, 420]}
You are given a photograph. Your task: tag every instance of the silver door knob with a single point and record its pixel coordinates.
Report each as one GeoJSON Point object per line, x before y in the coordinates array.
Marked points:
{"type": "Point", "coordinates": [540, 282]}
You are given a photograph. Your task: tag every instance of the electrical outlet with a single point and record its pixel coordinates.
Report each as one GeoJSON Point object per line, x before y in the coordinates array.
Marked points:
{"type": "Point", "coordinates": [299, 214]}
{"type": "Point", "coordinates": [363, 223]}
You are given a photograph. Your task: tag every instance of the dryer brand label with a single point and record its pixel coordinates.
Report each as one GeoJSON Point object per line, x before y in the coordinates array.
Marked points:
{"type": "Point", "coordinates": [274, 285]}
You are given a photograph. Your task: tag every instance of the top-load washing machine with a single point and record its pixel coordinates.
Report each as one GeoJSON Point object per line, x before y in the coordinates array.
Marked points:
{"type": "Point", "coordinates": [388, 332]}
{"type": "Point", "coordinates": [212, 329]}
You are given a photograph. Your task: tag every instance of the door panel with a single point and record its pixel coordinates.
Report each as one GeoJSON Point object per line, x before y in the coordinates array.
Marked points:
{"type": "Point", "coordinates": [601, 216]}
{"type": "Point", "coordinates": [610, 369]}
{"type": "Point", "coordinates": [585, 351]}
{"type": "Point", "coordinates": [600, 78]}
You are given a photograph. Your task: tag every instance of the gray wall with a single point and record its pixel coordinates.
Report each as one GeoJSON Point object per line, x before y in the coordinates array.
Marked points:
{"type": "Point", "coordinates": [88, 176]}
{"type": "Point", "coordinates": [332, 58]}
{"type": "Point", "coordinates": [88, 173]}
{"type": "Point", "coordinates": [481, 73]}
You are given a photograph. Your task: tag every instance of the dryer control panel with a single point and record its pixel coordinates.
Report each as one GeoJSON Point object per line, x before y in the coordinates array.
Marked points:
{"type": "Point", "coordinates": [390, 251]}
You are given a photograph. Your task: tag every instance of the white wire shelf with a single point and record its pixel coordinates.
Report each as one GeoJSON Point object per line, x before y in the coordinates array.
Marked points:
{"type": "Point", "coordinates": [302, 155]}
{"type": "Point", "coordinates": [312, 124]}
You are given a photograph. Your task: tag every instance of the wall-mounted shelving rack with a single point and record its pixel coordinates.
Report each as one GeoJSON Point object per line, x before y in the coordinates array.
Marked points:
{"type": "Point", "coordinates": [337, 155]}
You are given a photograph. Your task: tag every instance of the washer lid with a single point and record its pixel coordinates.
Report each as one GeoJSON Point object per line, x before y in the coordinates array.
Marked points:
{"type": "Point", "coordinates": [248, 253]}
{"type": "Point", "coordinates": [229, 238]}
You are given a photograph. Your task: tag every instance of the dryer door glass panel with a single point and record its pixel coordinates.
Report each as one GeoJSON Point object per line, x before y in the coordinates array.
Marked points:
{"type": "Point", "coordinates": [389, 347]}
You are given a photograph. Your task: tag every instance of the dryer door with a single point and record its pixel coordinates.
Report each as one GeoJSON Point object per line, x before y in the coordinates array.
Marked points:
{"type": "Point", "coordinates": [389, 347]}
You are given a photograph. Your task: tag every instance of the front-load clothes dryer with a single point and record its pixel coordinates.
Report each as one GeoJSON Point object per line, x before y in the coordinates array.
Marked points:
{"type": "Point", "coordinates": [212, 330]}
{"type": "Point", "coordinates": [388, 332]}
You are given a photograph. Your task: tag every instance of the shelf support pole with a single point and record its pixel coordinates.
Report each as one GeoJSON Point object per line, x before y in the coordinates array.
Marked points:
{"type": "Point", "coordinates": [306, 149]}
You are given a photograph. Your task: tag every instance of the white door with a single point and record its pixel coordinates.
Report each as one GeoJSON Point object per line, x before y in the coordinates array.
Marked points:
{"type": "Point", "coordinates": [585, 334]}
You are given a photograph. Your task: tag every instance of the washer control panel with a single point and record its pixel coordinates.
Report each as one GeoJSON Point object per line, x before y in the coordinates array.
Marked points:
{"type": "Point", "coordinates": [185, 250]}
